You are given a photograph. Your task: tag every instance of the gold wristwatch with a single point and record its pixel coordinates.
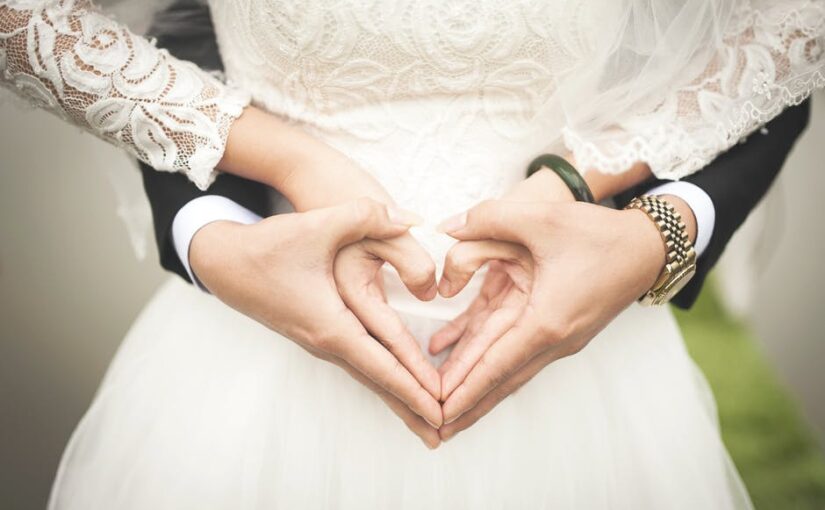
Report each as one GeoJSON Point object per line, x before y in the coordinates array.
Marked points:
{"type": "Point", "coordinates": [680, 265]}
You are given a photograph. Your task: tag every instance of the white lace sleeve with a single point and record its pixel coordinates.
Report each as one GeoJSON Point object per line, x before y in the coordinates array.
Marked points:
{"type": "Point", "coordinates": [772, 57]}
{"type": "Point", "coordinates": [67, 57]}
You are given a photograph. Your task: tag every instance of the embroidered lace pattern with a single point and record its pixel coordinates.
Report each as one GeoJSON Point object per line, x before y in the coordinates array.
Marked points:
{"type": "Point", "coordinates": [773, 58]}
{"type": "Point", "coordinates": [66, 57]}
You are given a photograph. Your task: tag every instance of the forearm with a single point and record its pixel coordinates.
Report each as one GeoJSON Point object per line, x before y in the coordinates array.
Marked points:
{"type": "Point", "coordinates": [604, 185]}
{"type": "Point", "coordinates": [547, 184]}
{"type": "Point", "coordinates": [308, 172]}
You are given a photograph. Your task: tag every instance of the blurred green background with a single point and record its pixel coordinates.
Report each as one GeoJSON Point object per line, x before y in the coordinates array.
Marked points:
{"type": "Point", "coordinates": [771, 444]}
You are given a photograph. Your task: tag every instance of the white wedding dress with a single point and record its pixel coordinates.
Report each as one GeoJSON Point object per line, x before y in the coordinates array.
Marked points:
{"type": "Point", "coordinates": [445, 102]}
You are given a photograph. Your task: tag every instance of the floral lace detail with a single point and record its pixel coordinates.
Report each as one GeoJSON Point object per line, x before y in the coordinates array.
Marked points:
{"type": "Point", "coordinates": [66, 57]}
{"type": "Point", "coordinates": [439, 100]}
{"type": "Point", "coordinates": [773, 59]}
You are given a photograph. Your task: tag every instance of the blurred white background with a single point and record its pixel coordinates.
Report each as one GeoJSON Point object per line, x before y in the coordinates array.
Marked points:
{"type": "Point", "coordinates": [70, 284]}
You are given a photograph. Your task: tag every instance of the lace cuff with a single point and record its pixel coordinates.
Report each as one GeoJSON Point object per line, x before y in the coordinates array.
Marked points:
{"type": "Point", "coordinates": [772, 58]}
{"type": "Point", "coordinates": [68, 58]}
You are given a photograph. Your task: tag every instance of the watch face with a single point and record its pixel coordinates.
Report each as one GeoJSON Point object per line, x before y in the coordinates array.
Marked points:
{"type": "Point", "coordinates": [678, 282]}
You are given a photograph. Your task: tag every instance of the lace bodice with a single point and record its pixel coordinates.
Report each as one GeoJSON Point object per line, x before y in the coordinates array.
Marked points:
{"type": "Point", "coordinates": [445, 101]}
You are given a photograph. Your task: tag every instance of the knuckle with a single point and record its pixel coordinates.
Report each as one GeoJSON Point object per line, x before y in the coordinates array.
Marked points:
{"type": "Point", "coordinates": [551, 332]}
{"type": "Point", "coordinates": [493, 376]}
{"type": "Point", "coordinates": [325, 341]}
{"type": "Point", "coordinates": [460, 258]}
{"type": "Point", "coordinates": [421, 273]}
{"type": "Point", "coordinates": [366, 208]}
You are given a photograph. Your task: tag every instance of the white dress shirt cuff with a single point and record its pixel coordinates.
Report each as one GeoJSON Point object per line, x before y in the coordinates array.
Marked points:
{"type": "Point", "coordinates": [197, 214]}
{"type": "Point", "coordinates": [701, 205]}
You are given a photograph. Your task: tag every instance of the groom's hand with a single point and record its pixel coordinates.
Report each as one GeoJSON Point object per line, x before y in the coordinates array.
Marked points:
{"type": "Point", "coordinates": [280, 273]}
{"type": "Point", "coordinates": [588, 263]}
{"type": "Point", "coordinates": [360, 284]}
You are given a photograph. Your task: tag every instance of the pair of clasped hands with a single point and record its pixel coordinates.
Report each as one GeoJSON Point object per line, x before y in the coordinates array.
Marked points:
{"type": "Point", "coordinates": [559, 272]}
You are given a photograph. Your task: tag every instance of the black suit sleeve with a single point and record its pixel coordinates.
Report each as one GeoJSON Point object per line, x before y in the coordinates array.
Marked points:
{"type": "Point", "coordinates": [185, 29]}
{"type": "Point", "coordinates": [736, 181]}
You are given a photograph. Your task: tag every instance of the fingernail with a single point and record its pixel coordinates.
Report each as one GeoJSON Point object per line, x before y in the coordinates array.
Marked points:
{"type": "Point", "coordinates": [453, 223]}
{"type": "Point", "coordinates": [403, 216]}
{"type": "Point", "coordinates": [449, 419]}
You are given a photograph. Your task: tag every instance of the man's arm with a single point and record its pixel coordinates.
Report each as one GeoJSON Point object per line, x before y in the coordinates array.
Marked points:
{"type": "Point", "coordinates": [735, 182]}
{"type": "Point", "coordinates": [185, 29]}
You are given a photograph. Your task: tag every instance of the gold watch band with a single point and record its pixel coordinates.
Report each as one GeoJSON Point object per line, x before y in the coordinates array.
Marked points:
{"type": "Point", "coordinates": [680, 263]}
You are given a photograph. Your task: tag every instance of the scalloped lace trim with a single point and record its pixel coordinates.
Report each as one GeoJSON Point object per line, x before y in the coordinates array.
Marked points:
{"type": "Point", "coordinates": [775, 57]}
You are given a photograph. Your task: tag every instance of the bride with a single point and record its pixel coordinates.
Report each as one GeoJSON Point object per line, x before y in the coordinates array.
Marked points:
{"type": "Point", "coordinates": [437, 108]}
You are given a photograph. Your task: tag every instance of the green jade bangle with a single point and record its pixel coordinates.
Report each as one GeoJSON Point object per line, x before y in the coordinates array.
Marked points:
{"type": "Point", "coordinates": [567, 172]}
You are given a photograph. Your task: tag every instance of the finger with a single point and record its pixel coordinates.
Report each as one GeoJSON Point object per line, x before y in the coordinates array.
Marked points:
{"type": "Point", "coordinates": [374, 361]}
{"type": "Point", "coordinates": [492, 399]}
{"type": "Point", "coordinates": [359, 219]}
{"type": "Point", "coordinates": [415, 423]}
{"type": "Point", "coordinates": [496, 325]}
{"type": "Point", "coordinates": [414, 265]}
{"type": "Point", "coordinates": [503, 358]}
{"type": "Point", "coordinates": [489, 299]}
{"type": "Point", "coordinates": [495, 219]}
{"type": "Point", "coordinates": [452, 331]}
{"type": "Point", "coordinates": [386, 326]}
{"type": "Point", "coordinates": [476, 323]}
{"type": "Point", "coordinates": [494, 283]}
{"type": "Point", "coordinates": [466, 257]}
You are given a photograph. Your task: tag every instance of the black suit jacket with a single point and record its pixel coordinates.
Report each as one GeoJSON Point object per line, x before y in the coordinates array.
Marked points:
{"type": "Point", "coordinates": [736, 181]}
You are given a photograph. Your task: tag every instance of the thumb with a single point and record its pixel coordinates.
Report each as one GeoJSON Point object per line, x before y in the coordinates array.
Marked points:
{"type": "Point", "coordinates": [498, 220]}
{"type": "Point", "coordinates": [364, 218]}
{"type": "Point", "coordinates": [414, 265]}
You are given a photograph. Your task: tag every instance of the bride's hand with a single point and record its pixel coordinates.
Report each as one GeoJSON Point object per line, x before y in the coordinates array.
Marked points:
{"type": "Point", "coordinates": [282, 276]}
{"type": "Point", "coordinates": [588, 263]}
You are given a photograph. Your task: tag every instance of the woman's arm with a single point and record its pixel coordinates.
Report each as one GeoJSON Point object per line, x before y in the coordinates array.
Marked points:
{"type": "Point", "coordinates": [308, 172]}
{"type": "Point", "coordinates": [68, 58]}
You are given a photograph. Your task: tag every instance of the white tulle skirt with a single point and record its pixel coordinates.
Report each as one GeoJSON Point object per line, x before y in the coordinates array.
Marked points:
{"type": "Point", "coordinates": [203, 409]}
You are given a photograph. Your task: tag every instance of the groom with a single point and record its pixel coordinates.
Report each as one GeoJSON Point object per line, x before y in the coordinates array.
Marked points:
{"type": "Point", "coordinates": [194, 229]}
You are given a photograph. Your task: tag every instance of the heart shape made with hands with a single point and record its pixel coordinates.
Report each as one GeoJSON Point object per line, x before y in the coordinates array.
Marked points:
{"type": "Point", "coordinates": [542, 257]}
{"type": "Point", "coordinates": [499, 303]}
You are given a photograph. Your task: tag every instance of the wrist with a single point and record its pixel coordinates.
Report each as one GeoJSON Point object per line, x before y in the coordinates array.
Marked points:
{"type": "Point", "coordinates": [679, 264]}
{"type": "Point", "coordinates": [604, 185]}
{"type": "Point", "coordinates": [647, 247]}
{"type": "Point", "coordinates": [543, 186]}
{"type": "Point", "coordinates": [207, 250]}
{"type": "Point", "coordinates": [685, 212]}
